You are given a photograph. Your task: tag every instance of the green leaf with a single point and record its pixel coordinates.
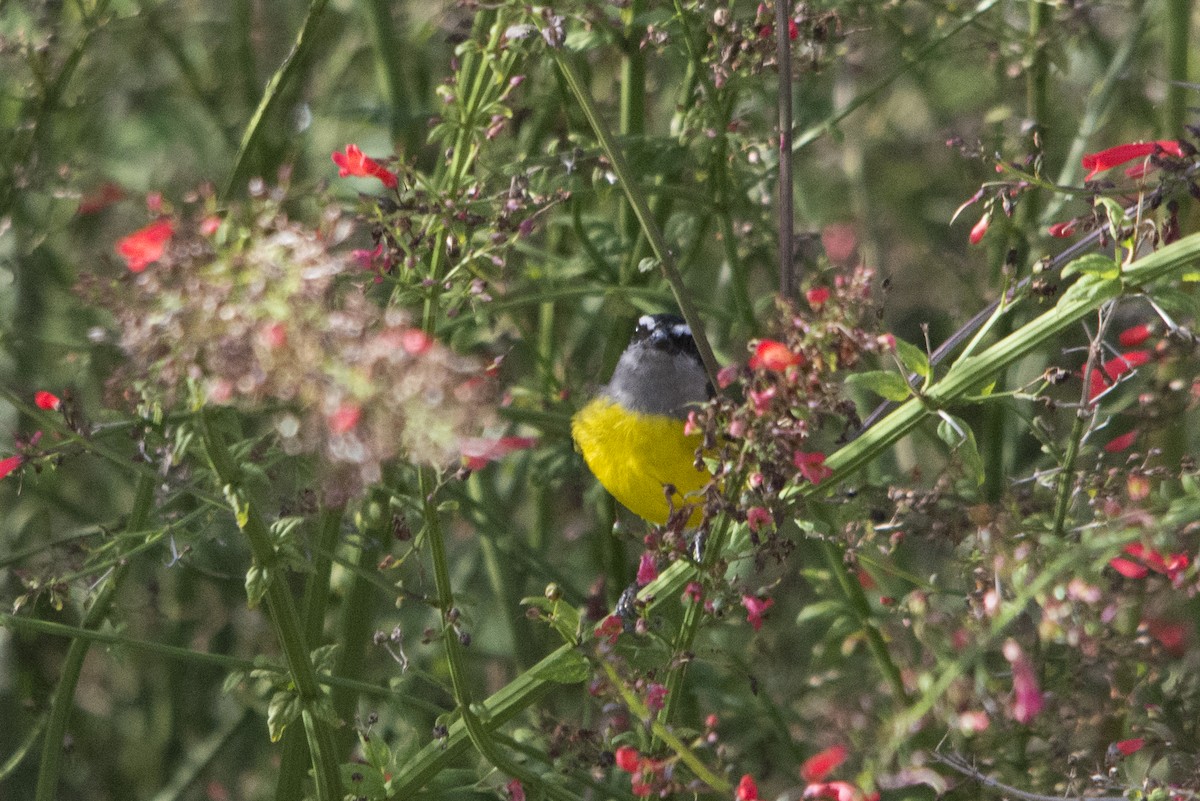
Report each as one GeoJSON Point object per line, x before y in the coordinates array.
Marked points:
{"type": "Point", "coordinates": [1091, 289]}
{"type": "Point", "coordinates": [887, 385]}
{"type": "Point", "coordinates": [284, 708]}
{"type": "Point", "coordinates": [1093, 264]}
{"type": "Point", "coordinates": [913, 358]}
{"type": "Point", "coordinates": [958, 435]}
{"type": "Point", "coordinates": [570, 668]}
{"type": "Point", "coordinates": [258, 579]}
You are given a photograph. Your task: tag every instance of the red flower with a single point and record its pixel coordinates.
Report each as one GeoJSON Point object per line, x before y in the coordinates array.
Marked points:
{"type": "Point", "coordinates": [656, 696]}
{"type": "Point", "coordinates": [693, 592]}
{"type": "Point", "coordinates": [478, 451]}
{"type": "Point", "coordinates": [610, 628]}
{"type": "Point", "coordinates": [146, 246]}
{"type": "Point", "coordinates": [755, 609]}
{"type": "Point", "coordinates": [10, 464]}
{"type": "Point", "coordinates": [647, 569]}
{"type": "Point", "coordinates": [46, 400]}
{"type": "Point", "coordinates": [353, 162]}
{"type": "Point", "coordinates": [817, 296]}
{"type": "Point", "coordinates": [818, 766]}
{"type": "Point", "coordinates": [1062, 230]}
{"type": "Point", "coordinates": [1028, 699]}
{"type": "Point", "coordinates": [1118, 444]}
{"type": "Point", "coordinates": [747, 789]}
{"type": "Point", "coordinates": [1128, 568]}
{"type": "Point", "coordinates": [1127, 747]}
{"type": "Point", "coordinates": [976, 235]}
{"type": "Point", "coordinates": [812, 466]}
{"type": "Point", "coordinates": [344, 419]}
{"type": "Point", "coordinates": [758, 517]}
{"type": "Point", "coordinates": [772, 355]}
{"type": "Point", "coordinates": [838, 791]}
{"type": "Point", "coordinates": [1171, 636]}
{"type": "Point", "coordinates": [1134, 336]}
{"type": "Point", "coordinates": [1116, 156]}
{"type": "Point", "coordinates": [628, 759]}
{"type": "Point", "coordinates": [1117, 366]}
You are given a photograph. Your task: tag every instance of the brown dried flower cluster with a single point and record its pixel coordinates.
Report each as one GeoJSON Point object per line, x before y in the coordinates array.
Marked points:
{"type": "Point", "coordinates": [266, 316]}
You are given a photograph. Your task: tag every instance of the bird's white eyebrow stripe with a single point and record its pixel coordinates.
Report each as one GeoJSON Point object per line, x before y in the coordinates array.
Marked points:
{"type": "Point", "coordinates": [646, 320]}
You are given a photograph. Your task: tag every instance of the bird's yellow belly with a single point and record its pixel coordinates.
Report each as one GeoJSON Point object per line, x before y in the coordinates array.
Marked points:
{"type": "Point", "coordinates": [635, 455]}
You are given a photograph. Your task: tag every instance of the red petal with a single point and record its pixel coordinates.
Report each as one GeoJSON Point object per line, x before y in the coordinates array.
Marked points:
{"type": "Point", "coordinates": [145, 246]}
{"type": "Point", "coordinates": [1132, 337]}
{"type": "Point", "coordinates": [1114, 156]}
{"type": "Point", "coordinates": [976, 235]}
{"type": "Point", "coordinates": [1118, 444]}
{"type": "Point", "coordinates": [1127, 747]}
{"type": "Point", "coordinates": [46, 400]}
{"type": "Point", "coordinates": [818, 766]}
{"type": "Point", "coordinates": [773, 355]}
{"type": "Point", "coordinates": [10, 464]}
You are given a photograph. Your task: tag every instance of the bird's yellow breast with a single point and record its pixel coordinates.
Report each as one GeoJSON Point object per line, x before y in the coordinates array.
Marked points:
{"type": "Point", "coordinates": [635, 455]}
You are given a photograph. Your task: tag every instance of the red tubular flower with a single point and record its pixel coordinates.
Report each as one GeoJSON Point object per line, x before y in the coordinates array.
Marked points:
{"type": "Point", "coordinates": [1127, 747]}
{"type": "Point", "coordinates": [647, 569]}
{"type": "Point", "coordinates": [478, 451]}
{"type": "Point", "coordinates": [976, 235]}
{"type": "Point", "coordinates": [1118, 366]}
{"type": "Point", "coordinates": [1062, 230]}
{"type": "Point", "coordinates": [1134, 336]}
{"type": "Point", "coordinates": [758, 517]}
{"type": "Point", "coordinates": [46, 400]}
{"type": "Point", "coordinates": [354, 162]}
{"type": "Point", "coordinates": [755, 609]}
{"type": "Point", "coordinates": [656, 696]}
{"type": "Point", "coordinates": [10, 464]}
{"type": "Point", "coordinates": [609, 629]}
{"type": "Point", "coordinates": [1118, 444]}
{"type": "Point", "coordinates": [747, 789]}
{"type": "Point", "coordinates": [1170, 635]}
{"type": "Point", "coordinates": [817, 296]}
{"type": "Point", "coordinates": [812, 466]}
{"type": "Point", "coordinates": [627, 758]}
{"type": "Point", "coordinates": [145, 246]}
{"type": "Point", "coordinates": [1097, 163]}
{"type": "Point", "coordinates": [820, 765]}
{"type": "Point", "coordinates": [772, 355]}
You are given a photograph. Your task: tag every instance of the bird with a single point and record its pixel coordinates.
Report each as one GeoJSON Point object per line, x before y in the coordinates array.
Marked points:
{"type": "Point", "coordinates": [632, 433]}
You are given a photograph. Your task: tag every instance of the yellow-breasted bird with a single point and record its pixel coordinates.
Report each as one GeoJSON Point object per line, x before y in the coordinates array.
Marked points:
{"type": "Point", "coordinates": [632, 433]}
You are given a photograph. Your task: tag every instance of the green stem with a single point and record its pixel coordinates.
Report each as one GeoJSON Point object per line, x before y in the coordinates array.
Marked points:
{"type": "Point", "coordinates": [64, 694]}
{"type": "Point", "coordinates": [271, 96]}
{"type": "Point", "coordinates": [223, 661]}
{"type": "Point", "coordinates": [637, 199]}
{"type": "Point", "coordinates": [861, 608]}
{"type": "Point", "coordinates": [282, 611]}
{"type": "Point", "coordinates": [316, 599]}
{"type": "Point", "coordinates": [479, 735]}
{"type": "Point", "coordinates": [1178, 27]}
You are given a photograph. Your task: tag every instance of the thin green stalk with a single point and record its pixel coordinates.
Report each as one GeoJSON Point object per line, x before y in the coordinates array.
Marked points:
{"type": "Point", "coordinates": [223, 661]}
{"type": "Point", "coordinates": [1177, 24]}
{"type": "Point", "coordinates": [789, 277]}
{"type": "Point", "coordinates": [271, 95]}
{"type": "Point", "coordinates": [637, 199]}
{"type": "Point", "coordinates": [388, 50]}
{"type": "Point", "coordinates": [662, 732]}
{"type": "Point", "coordinates": [857, 601]}
{"type": "Point", "coordinates": [64, 695]}
{"type": "Point", "coordinates": [478, 733]}
{"type": "Point", "coordinates": [292, 769]}
{"type": "Point", "coordinates": [632, 121]}
{"type": "Point", "coordinates": [282, 612]}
